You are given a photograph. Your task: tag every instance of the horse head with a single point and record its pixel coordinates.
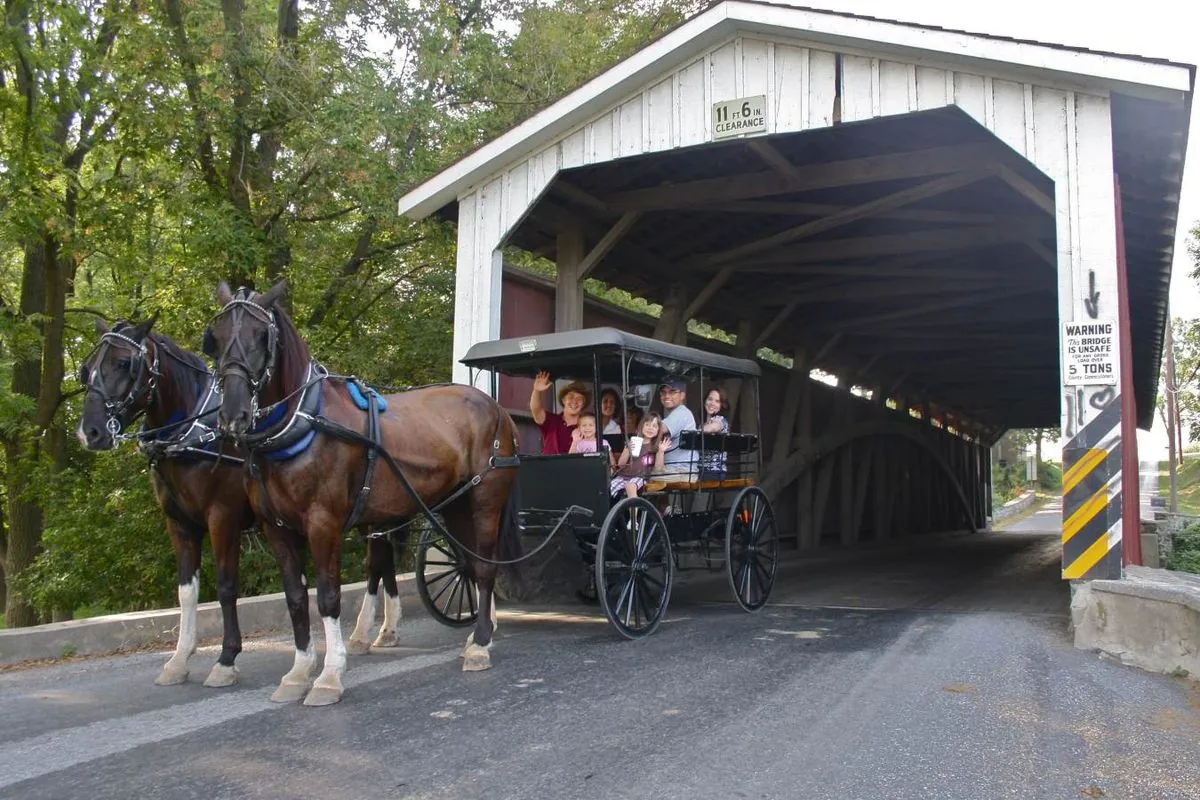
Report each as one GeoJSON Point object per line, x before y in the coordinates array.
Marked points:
{"type": "Point", "coordinates": [119, 377]}
{"type": "Point", "coordinates": [242, 340]}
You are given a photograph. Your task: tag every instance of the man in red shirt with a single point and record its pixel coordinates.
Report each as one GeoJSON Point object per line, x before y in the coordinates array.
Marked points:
{"type": "Point", "coordinates": [557, 428]}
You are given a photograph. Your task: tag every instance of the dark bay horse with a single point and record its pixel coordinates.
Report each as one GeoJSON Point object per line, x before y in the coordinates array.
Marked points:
{"type": "Point", "coordinates": [311, 471]}
{"type": "Point", "coordinates": [132, 372]}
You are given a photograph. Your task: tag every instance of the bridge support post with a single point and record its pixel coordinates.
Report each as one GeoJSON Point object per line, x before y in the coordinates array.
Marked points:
{"type": "Point", "coordinates": [1092, 336]}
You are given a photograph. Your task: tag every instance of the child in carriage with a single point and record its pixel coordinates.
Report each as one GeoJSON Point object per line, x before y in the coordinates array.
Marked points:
{"type": "Point", "coordinates": [583, 438]}
{"type": "Point", "coordinates": [642, 455]}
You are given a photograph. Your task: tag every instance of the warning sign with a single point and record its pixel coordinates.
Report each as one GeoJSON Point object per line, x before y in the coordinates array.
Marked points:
{"type": "Point", "coordinates": [1089, 352]}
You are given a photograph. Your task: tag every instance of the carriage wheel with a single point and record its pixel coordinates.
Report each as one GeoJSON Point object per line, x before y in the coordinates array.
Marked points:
{"type": "Point", "coordinates": [444, 581]}
{"type": "Point", "coordinates": [634, 567]}
{"type": "Point", "coordinates": [751, 548]}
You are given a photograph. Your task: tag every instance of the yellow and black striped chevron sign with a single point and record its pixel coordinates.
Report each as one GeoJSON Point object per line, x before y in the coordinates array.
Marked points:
{"type": "Point", "coordinates": [1091, 531]}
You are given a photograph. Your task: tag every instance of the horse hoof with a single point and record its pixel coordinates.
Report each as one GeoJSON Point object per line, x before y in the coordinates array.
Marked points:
{"type": "Point", "coordinates": [221, 676]}
{"type": "Point", "coordinates": [289, 692]}
{"type": "Point", "coordinates": [358, 647]}
{"type": "Point", "coordinates": [476, 659]}
{"type": "Point", "coordinates": [323, 696]}
{"type": "Point", "coordinates": [171, 676]}
{"type": "Point", "coordinates": [386, 640]}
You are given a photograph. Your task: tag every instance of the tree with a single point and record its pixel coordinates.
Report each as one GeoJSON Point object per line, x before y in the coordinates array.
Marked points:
{"type": "Point", "coordinates": [56, 81]}
{"type": "Point", "coordinates": [149, 149]}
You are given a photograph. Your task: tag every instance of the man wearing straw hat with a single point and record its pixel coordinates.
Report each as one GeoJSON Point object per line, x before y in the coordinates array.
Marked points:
{"type": "Point", "coordinates": [557, 428]}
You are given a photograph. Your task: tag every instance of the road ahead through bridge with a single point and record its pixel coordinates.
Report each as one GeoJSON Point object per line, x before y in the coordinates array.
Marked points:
{"type": "Point", "coordinates": [945, 672]}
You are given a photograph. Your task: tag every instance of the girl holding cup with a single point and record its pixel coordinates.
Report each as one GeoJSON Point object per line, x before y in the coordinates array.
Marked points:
{"type": "Point", "coordinates": [642, 455]}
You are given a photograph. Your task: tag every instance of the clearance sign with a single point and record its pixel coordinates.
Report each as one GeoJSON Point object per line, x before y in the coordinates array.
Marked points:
{"type": "Point", "coordinates": [741, 116]}
{"type": "Point", "coordinates": [1089, 352]}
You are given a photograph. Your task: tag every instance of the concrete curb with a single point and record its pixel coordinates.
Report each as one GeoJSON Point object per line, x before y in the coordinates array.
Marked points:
{"type": "Point", "coordinates": [264, 614]}
{"type": "Point", "coordinates": [1014, 506]}
{"type": "Point", "coordinates": [1149, 619]}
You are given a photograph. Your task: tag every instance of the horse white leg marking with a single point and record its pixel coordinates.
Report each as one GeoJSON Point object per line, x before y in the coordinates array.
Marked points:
{"type": "Point", "coordinates": [175, 671]}
{"type": "Point", "coordinates": [391, 622]}
{"type": "Point", "coordinates": [327, 688]}
{"type": "Point", "coordinates": [294, 684]}
{"type": "Point", "coordinates": [475, 657]}
{"type": "Point", "coordinates": [360, 643]}
{"type": "Point", "coordinates": [221, 676]}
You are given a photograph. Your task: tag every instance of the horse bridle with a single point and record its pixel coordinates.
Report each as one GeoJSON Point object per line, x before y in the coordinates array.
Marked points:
{"type": "Point", "coordinates": [238, 361]}
{"type": "Point", "coordinates": [113, 409]}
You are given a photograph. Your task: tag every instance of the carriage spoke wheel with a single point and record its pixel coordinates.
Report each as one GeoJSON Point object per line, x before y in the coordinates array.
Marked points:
{"type": "Point", "coordinates": [444, 581]}
{"type": "Point", "coordinates": [751, 548]}
{"type": "Point", "coordinates": [634, 567]}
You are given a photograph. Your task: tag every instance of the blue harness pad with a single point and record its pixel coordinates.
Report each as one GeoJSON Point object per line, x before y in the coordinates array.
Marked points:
{"type": "Point", "coordinates": [359, 400]}
{"type": "Point", "coordinates": [301, 444]}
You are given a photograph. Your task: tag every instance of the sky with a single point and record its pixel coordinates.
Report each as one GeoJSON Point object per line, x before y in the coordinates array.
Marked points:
{"type": "Point", "coordinates": [1167, 29]}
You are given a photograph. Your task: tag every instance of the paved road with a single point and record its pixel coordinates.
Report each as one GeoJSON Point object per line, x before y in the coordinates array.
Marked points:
{"type": "Point", "coordinates": [941, 673]}
{"type": "Point", "coordinates": [1048, 519]}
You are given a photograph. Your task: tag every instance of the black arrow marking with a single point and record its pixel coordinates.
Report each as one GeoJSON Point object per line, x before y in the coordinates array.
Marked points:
{"type": "Point", "coordinates": [1092, 302]}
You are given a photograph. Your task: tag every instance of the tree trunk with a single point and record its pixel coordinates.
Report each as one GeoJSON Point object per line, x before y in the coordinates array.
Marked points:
{"type": "Point", "coordinates": [21, 451]}
{"type": "Point", "coordinates": [1037, 448]}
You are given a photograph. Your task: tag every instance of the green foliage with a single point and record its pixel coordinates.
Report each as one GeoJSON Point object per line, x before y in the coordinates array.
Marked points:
{"type": "Point", "coordinates": [1049, 477]}
{"type": "Point", "coordinates": [1185, 554]}
{"type": "Point", "coordinates": [164, 147]}
{"type": "Point", "coordinates": [1008, 482]}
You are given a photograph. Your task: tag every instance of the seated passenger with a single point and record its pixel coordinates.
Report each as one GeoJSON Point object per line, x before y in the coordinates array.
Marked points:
{"type": "Point", "coordinates": [556, 428]}
{"type": "Point", "coordinates": [679, 418]}
{"type": "Point", "coordinates": [642, 456]}
{"type": "Point", "coordinates": [583, 438]}
{"type": "Point", "coordinates": [610, 412]}
{"type": "Point", "coordinates": [716, 420]}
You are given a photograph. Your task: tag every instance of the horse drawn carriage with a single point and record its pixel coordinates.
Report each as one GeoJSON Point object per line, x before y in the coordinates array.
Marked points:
{"type": "Point", "coordinates": [709, 514]}
{"type": "Point", "coordinates": [302, 448]}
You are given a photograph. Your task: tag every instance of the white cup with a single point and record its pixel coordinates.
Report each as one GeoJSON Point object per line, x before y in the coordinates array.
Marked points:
{"type": "Point", "coordinates": [635, 446]}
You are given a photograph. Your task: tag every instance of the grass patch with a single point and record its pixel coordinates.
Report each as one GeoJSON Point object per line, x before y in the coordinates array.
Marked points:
{"type": "Point", "coordinates": [1187, 481]}
{"type": "Point", "coordinates": [1, 622]}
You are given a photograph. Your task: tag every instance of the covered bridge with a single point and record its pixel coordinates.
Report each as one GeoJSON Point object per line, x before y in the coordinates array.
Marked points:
{"type": "Point", "coordinates": [976, 231]}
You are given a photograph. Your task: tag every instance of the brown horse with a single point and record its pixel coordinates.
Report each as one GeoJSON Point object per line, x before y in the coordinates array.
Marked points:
{"type": "Point", "coordinates": [311, 453]}
{"type": "Point", "coordinates": [199, 488]}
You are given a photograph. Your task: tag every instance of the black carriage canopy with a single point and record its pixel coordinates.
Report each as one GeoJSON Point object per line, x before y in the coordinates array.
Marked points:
{"type": "Point", "coordinates": [569, 355]}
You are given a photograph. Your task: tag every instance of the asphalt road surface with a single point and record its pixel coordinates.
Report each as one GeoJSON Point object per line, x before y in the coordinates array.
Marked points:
{"type": "Point", "coordinates": [945, 672]}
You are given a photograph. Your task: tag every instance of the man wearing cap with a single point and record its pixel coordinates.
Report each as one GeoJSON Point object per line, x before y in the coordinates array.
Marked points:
{"type": "Point", "coordinates": [557, 428]}
{"type": "Point", "coordinates": [677, 418]}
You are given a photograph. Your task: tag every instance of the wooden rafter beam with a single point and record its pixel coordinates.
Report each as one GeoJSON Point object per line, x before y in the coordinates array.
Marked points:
{"type": "Point", "coordinates": [782, 208]}
{"type": "Point", "coordinates": [914, 194]}
{"type": "Point", "coordinates": [882, 291]}
{"type": "Point", "coordinates": [925, 241]}
{"type": "Point", "coordinates": [708, 291]}
{"type": "Point", "coordinates": [871, 169]}
{"type": "Point", "coordinates": [607, 242]}
{"type": "Point", "coordinates": [1026, 188]}
{"type": "Point", "coordinates": [934, 308]}
{"type": "Point", "coordinates": [1042, 252]}
{"type": "Point", "coordinates": [774, 324]}
{"type": "Point", "coordinates": [889, 269]}
{"type": "Point", "coordinates": [578, 196]}
{"type": "Point", "coordinates": [773, 158]}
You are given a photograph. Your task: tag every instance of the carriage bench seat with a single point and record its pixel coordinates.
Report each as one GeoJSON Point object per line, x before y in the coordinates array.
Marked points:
{"type": "Point", "coordinates": [739, 449]}
{"type": "Point", "coordinates": [681, 482]}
